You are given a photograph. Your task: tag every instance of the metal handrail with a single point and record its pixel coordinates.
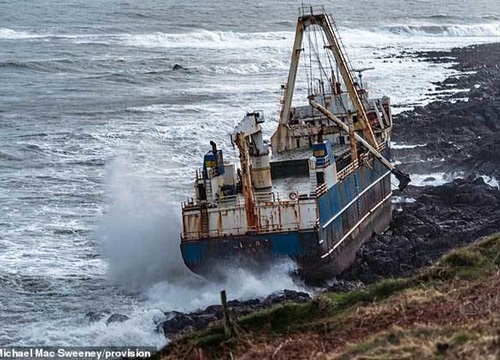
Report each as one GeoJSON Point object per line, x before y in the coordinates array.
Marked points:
{"type": "Point", "coordinates": [241, 231]}
{"type": "Point", "coordinates": [265, 196]}
{"type": "Point", "coordinates": [228, 199]}
{"type": "Point", "coordinates": [310, 10]}
{"type": "Point", "coordinates": [321, 189]}
{"type": "Point", "coordinates": [348, 170]}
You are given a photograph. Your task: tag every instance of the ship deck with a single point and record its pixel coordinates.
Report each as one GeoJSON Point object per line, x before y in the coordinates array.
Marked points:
{"type": "Point", "coordinates": [290, 172]}
{"type": "Point", "coordinates": [294, 163]}
{"type": "Point", "coordinates": [306, 153]}
{"type": "Point", "coordinates": [284, 186]}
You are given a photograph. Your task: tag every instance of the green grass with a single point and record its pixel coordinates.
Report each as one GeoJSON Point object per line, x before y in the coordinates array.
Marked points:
{"type": "Point", "coordinates": [375, 292]}
{"type": "Point", "coordinates": [462, 338]}
{"type": "Point", "coordinates": [390, 339]}
{"type": "Point", "coordinates": [279, 319]}
{"type": "Point", "coordinates": [292, 317]}
{"type": "Point", "coordinates": [211, 338]}
{"type": "Point", "coordinates": [472, 262]}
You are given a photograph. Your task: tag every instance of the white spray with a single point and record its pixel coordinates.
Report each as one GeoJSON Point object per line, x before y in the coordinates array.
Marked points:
{"type": "Point", "coordinates": [140, 239]}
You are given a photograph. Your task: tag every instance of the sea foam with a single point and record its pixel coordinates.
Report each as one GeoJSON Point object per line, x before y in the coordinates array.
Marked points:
{"type": "Point", "coordinates": [6, 33]}
{"type": "Point", "coordinates": [450, 30]}
{"type": "Point", "coordinates": [140, 237]}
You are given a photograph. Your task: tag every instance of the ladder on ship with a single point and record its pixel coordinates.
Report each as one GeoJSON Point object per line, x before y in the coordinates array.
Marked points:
{"type": "Point", "coordinates": [205, 225]}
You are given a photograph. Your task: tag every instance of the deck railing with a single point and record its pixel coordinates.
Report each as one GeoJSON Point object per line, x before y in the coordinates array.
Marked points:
{"type": "Point", "coordinates": [285, 219]}
{"type": "Point", "coordinates": [342, 174]}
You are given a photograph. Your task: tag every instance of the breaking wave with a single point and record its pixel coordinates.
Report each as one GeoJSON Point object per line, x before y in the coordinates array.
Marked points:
{"type": "Point", "coordinates": [208, 39]}
{"type": "Point", "coordinates": [190, 293]}
{"type": "Point", "coordinates": [458, 18]}
{"type": "Point", "coordinates": [12, 34]}
{"type": "Point", "coordinates": [246, 68]}
{"type": "Point", "coordinates": [477, 30]}
{"type": "Point", "coordinates": [140, 233]}
{"type": "Point", "coordinates": [237, 40]}
{"type": "Point", "coordinates": [140, 240]}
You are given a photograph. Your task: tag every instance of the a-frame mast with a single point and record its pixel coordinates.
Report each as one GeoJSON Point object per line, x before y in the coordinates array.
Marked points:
{"type": "Point", "coordinates": [280, 137]}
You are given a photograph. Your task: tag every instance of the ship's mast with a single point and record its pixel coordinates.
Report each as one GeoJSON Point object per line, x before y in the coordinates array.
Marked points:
{"type": "Point", "coordinates": [280, 138]}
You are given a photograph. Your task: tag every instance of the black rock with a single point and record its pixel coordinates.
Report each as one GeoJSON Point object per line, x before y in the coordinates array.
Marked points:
{"type": "Point", "coordinates": [116, 318]}
{"type": "Point", "coordinates": [178, 67]}
{"type": "Point", "coordinates": [203, 320]}
{"type": "Point", "coordinates": [234, 303]}
{"type": "Point", "coordinates": [178, 323]}
{"type": "Point", "coordinates": [343, 286]}
{"type": "Point", "coordinates": [252, 302]}
{"type": "Point", "coordinates": [442, 218]}
{"type": "Point", "coordinates": [93, 316]}
{"type": "Point", "coordinates": [460, 136]}
{"type": "Point", "coordinates": [286, 295]}
{"type": "Point", "coordinates": [215, 310]}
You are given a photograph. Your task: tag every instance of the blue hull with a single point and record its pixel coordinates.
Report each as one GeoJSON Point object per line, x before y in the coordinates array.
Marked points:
{"type": "Point", "coordinates": [349, 213]}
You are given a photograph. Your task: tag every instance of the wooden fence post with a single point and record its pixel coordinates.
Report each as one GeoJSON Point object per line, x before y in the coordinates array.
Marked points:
{"type": "Point", "coordinates": [225, 311]}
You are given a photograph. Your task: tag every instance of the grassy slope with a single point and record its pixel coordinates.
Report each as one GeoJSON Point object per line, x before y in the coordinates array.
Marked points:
{"type": "Point", "coordinates": [448, 311]}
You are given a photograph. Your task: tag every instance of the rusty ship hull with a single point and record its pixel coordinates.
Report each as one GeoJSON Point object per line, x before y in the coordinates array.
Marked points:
{"type": "Point", "coordinates": [349, 214]}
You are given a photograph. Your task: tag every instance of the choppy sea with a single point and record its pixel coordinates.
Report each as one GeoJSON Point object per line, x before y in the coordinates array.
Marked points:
{"type": "Point", "coordinates": [100, 138]}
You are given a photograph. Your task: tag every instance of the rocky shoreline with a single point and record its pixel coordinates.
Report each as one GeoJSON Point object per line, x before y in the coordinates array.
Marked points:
{"type": "Point", "coordinates": [453, 135]}
{"type": "Point", "coordinates": [179, 324]}
{"type": "Point", "coordinates": [441, 218]}
{"type": "Point", "coordinates": [456, 135]}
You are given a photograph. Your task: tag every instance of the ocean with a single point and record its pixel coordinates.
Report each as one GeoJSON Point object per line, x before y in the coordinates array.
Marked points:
{"type": "Point", "coordinates": [100, 139]}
